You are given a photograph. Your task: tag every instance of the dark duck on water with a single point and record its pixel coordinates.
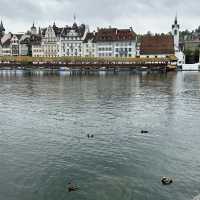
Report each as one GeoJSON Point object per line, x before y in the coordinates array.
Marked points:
{"type": "Point", "coordinates": [72, 188]}
{"type": "Point", "coordinates": [166, 181]}
{"type": "Point", "coordinates": [142, 131]}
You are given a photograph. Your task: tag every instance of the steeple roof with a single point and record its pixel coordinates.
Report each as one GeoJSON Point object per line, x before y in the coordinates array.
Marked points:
{"type": "Point", "coordinates": [74, 26]}
{"type": "Point", "coordinates": [176, 20]}
{"type": "Point", "coordinates": [2, 27]}
{"type": "Point", "coordinates": [33, 26]}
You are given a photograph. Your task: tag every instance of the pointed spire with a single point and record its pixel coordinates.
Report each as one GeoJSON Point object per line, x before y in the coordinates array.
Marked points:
{"type": "Point", "coordinates": [2, 30]}
{"type": "Point", "coordinates": [74, 24]}
{"type": "Point", "coordinates": [2, 27]}
{"type": "Point", "coordinates": [33, 26]}
{"type": "Point", "coordinates": [176, 19]}
{"type": "Point", "coordinates": [74, 18]}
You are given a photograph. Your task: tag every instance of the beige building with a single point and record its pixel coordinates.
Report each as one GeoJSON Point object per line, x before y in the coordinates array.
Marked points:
{"type": "Point", "coordinates": [50, 41]}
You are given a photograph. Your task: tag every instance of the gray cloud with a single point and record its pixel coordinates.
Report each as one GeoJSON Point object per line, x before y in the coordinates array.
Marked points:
{"type": "Point", "coordinates": [143, 15]}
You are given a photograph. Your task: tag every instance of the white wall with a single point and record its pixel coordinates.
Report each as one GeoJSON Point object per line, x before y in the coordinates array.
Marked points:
{"type": "Point", "coordinates": [116, 49]}
{"type": "Point", "coordinates": [89, 49]}
{"type": "Point", "coordinates": [37, 51]}
{"type": "Point", "coordinates": [105, 49]}
{"type": "Point", "coordinates": [50, 43]}
{"type": "Point", "coordinates": [72, 44]}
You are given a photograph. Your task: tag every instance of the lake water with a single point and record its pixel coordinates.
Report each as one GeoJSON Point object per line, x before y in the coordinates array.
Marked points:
{"type": "Point", "coordinates": [45, 119]}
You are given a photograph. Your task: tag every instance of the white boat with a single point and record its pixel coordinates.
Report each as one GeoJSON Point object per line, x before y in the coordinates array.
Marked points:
{"type": "Point", "coordinates": [191, 67]}
{"type": "Point", "coordinates": [64, 69]}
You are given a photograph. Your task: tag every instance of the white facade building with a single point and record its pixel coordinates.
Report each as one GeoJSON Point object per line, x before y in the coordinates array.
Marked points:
{"type": "Point", "coordinates": [36, 45]}
{"type": "Point", "coordinates": [105, 49]}
{"type": "Point", "coordinates": [15, 44]}
{"type": "Point", "coordinates": [77, 41]}
{"type": "Point", "coordinates": [71, 40]}
{"type": "Point", "coordinates": [114, 42]}
{"type": "Point", "coordinates": [125, 49]}
{"type": "Point", "coordinates": [50, 41]}
{"type": "Point", "coordinates": [37, 50]}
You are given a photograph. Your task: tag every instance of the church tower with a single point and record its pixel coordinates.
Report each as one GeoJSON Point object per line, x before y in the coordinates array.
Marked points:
{"type": "Point", "coordinates": [175, 33]}
{"type": "Point", "coordinates": [33, 29]}
{"type": "Point", "coordinates": [2, 30]}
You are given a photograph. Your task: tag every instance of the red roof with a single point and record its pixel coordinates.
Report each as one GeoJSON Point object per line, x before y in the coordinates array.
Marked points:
{"type": "Point", "coordinates": [113, 34]}
{"type": "Point", "coordinates": [158, 44]}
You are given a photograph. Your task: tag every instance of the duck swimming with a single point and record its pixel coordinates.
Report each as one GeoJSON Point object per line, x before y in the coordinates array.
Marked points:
{"type": "Point", "coordinates": [72, 188]}
{"type": "Point", "coordinates": [90, 136]}
{"type": "Point", "coordinates": [142, 131]}
{"type": "Point", "coordinates": [166, 181]}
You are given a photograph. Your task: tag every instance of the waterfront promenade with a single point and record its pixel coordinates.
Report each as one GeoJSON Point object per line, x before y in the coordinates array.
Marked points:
{"type": "Point", "coordinates": [78, 63]}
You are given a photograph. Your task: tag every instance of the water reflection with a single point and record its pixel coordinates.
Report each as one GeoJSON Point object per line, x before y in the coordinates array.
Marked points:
{"type": "Point", "coordinates": [45, 117]}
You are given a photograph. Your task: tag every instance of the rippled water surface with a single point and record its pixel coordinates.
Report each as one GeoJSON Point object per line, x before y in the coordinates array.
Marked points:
{"type": "Point", "coordinates": [45, 119]}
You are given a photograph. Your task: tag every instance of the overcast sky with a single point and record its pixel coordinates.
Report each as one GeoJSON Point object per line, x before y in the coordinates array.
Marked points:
{"type": "Point", "coordinates": [142, 15]}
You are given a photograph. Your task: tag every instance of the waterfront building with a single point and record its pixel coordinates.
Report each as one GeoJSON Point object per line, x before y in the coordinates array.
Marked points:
{"type": "Point", "coordinates": [36, 45]}
{"type": "Point", "coordinates": [113, 42]}
{"type": "Point", "coordinates": [50, 41]}
{"type": "Point", "coordinates": [157, 46]}
{"type": "Point", "coordinates": [71, 40]}
{"type": "Point", "coordinates": [6, 44]}
{"type": "Point", "coordinates": [89, 45]}
{"type": "Point", "coordinates": [24, 45]}
{"type": "Point", "coordinates": [15, 43]}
